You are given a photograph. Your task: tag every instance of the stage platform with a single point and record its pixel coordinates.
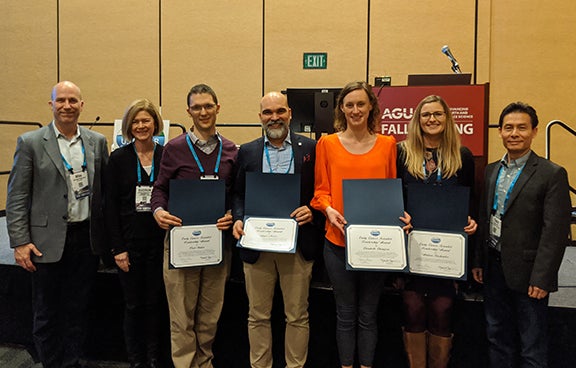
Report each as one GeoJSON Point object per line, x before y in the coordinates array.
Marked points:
{"type": "Point", "coordinates": [105, 346]}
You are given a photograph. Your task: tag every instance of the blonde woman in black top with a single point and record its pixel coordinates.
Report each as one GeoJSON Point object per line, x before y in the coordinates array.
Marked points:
{"type": "Point", "coordinates": [432, 154]}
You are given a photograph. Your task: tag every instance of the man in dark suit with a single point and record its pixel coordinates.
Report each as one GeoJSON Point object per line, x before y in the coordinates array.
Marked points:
{"type": "Point", "coordinates": [283, 152]}
{"type": "Point", "coordinates": [524, 226]}
{"type": "Point", "coordinates": [55, 223]}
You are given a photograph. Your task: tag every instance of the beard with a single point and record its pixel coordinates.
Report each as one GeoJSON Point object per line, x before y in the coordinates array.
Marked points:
{"type": "Point", "coordinates": [276, 133]}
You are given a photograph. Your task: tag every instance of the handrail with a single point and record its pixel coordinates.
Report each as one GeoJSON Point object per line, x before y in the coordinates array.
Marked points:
{"type": "Point", "coordinates": [240, 125]}
{"type": "Point", "coordinates": [178, 125]}
{"type": "Point", "coordinates": [548, 129]}
{"type": "Point", "coordinates": [182, 127]}
{"type": "Point", "coordinates": [6, 122]}
{"type": "Point", "coordinates": [93, 124]}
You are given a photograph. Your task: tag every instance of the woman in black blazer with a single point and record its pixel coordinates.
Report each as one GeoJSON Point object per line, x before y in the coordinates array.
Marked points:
{"type": "Point", "coordinates": [136, 240]}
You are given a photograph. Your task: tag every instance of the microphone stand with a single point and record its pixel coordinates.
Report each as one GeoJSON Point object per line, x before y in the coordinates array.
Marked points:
{"type": "Point", "coordinates": [456, 67]}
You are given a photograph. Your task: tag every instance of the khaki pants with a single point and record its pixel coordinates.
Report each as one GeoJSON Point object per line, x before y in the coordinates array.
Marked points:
{"type": "Point", "coordinates": [195, 299]}
{"type": "Point", "coordinates": [295, 274]}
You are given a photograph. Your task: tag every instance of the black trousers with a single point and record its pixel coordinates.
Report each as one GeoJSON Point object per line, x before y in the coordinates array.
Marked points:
{"type": "Point", "coordinates": [60, 296]}
{"type": "Point", "coordinates": [145, 300]}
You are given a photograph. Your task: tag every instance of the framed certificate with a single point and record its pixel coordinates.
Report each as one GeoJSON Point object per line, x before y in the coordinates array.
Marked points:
{"type": "Point", "coordinates": [270, 234]}
{"type": "Point", "coordinates": [377, 248]}
{"type": "Point", "coordinates": [439, 254]}
{"type": "Point", "coordinates": [195, 245]}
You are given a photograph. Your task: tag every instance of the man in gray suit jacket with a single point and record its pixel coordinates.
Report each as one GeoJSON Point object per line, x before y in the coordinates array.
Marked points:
{"type": "Point", "coordinates": [55, 223]}
{"type": "Point", "coordinates": [523, 231]}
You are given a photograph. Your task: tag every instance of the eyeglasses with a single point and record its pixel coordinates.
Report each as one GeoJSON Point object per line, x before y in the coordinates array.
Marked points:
{"type": "Point", "coordinates": [437, 115]}
{"type": "Point", "coordinates": [207, 107]}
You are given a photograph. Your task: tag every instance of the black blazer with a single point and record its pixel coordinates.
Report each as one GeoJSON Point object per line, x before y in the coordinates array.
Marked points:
{"type": "Point", "coordinates": [535, 226]}
{"type": "Point", "coordinates": [250, 155]}
{"type": "Point", "coordinates": [125, 224]}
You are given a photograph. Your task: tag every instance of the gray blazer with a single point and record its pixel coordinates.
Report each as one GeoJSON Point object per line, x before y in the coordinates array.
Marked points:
{"type": "Point", "coordinates": [535, 226]}
{"type": "Point", "coordinates": [37, 203]}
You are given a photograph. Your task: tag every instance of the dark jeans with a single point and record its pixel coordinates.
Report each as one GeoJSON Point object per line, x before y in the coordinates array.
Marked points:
{"type": "Point", "coordinates": [61, 292]}
{"type": "Point", "coordinates": [357, 294]}
{"type": "Point", "coordinates": [516, 325]}
{"type": "Point", "coordinates": [144, 298]}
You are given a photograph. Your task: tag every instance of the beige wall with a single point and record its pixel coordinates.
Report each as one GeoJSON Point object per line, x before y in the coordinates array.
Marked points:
{"type": "Point", "coordinates": [118, 51]}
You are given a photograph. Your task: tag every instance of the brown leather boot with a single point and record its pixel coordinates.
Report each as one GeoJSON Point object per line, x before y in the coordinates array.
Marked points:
{"type": "Point", "coordinates": [415, 345]}
{"type": "Point", "coordinates": [439, 351]}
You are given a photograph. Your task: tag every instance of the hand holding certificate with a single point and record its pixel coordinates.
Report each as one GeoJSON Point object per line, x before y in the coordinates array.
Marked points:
{"type": "Point", "coordinates": [270, 199]}
{"type": "Point", "coordinates": [271, 235]}
{"type": "Point", "coordinates": [374, 239]}
{"type": "Point", "coordinates": [438, 245]}
{"type": "Point", "coordinates": [198, 242]}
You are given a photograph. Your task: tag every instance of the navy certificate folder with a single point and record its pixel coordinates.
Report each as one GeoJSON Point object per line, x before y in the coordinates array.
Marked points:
{"type": "Point", "coordinates": [197, 202]}
{"type": "Point", "coordinates": [438, 207]}
{"type": "Point", "coordinates": [373, 201]}
{"type": "Point", "coordinates": [271, 195]}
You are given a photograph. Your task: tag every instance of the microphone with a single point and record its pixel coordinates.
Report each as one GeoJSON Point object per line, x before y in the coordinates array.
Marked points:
{"type": "Point", "coordinates": [455, 67]}
{"type": "Point", "coordinates": [94, 122]}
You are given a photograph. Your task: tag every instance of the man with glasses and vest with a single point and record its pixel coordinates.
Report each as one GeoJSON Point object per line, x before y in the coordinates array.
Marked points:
{"type": "Point", "coordinates": [195, 294]}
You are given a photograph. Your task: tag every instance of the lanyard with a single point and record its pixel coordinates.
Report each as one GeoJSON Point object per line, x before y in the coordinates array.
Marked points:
{"type": "Point", "coordinates": [139, 166]}
{"type": "Point", "coordinates": [438, 171]}
{"type": "Point", "coordinates": [67, 165]}
{"type": "Point", "coordinates": [495, 204]}
{"type": "Point", "coordinates": [270, 165]}
{"type": "Point", "coordinates": [200, 167]}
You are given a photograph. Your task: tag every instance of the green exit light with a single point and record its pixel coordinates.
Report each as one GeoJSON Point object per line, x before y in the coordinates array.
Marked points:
{"type": "Point", "coordinates": [315, 60]}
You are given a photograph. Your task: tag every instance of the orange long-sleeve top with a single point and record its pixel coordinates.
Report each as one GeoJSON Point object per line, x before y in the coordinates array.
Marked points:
{"type": "Point", "coordinates": [334, 163]}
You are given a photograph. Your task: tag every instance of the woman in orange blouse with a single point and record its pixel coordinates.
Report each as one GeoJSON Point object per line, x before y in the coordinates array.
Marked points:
{"type": "Point", "coordinates": [355, 151]}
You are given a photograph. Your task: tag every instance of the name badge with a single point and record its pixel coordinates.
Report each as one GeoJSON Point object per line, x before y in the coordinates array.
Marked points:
{"type": "Point", "coordinates": [209, 177]}
{"type": "Point", "coordinates": [79, 181]}
{"type": "Point", "coordinates": [143, 198]}
{"type": "Point", "coordinates": [495, 226]}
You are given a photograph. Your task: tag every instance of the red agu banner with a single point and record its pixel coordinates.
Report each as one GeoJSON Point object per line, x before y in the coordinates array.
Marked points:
{"type": "Point", "coordinates": [467, 103]}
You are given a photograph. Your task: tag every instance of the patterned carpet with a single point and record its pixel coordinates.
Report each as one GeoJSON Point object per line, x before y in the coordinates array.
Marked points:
{"type": "Point", "coordinates": [16, 356]}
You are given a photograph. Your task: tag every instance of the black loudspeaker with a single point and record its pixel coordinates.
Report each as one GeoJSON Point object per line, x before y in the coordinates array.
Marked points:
{"type": "Point", "coordinates": [324, 112]}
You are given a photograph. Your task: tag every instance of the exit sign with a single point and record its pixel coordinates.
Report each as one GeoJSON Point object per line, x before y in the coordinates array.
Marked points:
{"type": "Point", "coordinates": [315, 60]}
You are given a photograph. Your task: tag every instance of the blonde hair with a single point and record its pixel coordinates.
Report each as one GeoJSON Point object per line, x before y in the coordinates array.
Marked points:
{"type": "Point", "coordinates": [131, 112]}
{"type": "Point", "coordinates": [449, 157]}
